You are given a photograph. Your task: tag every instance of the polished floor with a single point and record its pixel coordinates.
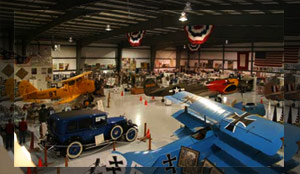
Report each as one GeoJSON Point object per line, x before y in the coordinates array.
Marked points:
{"type": "Point", "coordinates": [157, 116]}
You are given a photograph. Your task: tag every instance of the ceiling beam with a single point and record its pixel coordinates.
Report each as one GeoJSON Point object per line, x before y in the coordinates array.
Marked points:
{"type": "Point", "coordinates": [172, 21]}
{"type": "Point", "coordinates": [63, 5]}
{"type": "Point", "coordinates": [69, 15]}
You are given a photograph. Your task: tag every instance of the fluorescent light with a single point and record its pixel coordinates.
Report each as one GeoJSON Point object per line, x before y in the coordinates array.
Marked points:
{"type": "Point", "coordinates": [108, 27]}
{"type": "Point", "coordinates": [183, 17]}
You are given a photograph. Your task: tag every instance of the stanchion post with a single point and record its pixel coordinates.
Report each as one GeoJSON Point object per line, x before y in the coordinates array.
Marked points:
{"type": "Point", "coordinates": [108, 99]}
{"type": "Point", "coordinates": [145, 129]}
{"type": "Point", "coordinates": [66, 161]}
{"type": "Point", "coordinates": [58, 170]}
{"type": "Point", "coordinates": [149, 148]}
{"type": "Point", "coordinates": [45, 157]}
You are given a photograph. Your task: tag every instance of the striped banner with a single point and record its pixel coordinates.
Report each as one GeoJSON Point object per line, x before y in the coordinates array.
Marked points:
{"type": "Point", "coordinates": [291, 54]}
{"type": "Point", "coordinates": [135, 38]}
{"type": "Point", "coordinates": [193, 47]}
{"type": "Point", "coordinates": [270, 59]}
{"type": "Point", "coordinates": [198, 34]}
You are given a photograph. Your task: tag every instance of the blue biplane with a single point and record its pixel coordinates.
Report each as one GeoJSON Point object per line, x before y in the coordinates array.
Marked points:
{"type": "Point", "coordinates": [221, 138]}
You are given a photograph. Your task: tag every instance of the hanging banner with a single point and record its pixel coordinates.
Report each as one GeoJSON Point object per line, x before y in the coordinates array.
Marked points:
{"type": "Point", "coordinates": [193, 47]}
{"type": "Point", "coordinates": [198, 34]}
{"type": "Point", "coordinates": [242, 61]}
{"type": "Point", "coordinates": [135, 38]}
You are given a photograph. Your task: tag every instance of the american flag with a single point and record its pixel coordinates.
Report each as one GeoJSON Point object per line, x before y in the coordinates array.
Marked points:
{"type": "Point", "coordinates": [270, 59]}
{"type": "Point", "coordinates": [291, 54]}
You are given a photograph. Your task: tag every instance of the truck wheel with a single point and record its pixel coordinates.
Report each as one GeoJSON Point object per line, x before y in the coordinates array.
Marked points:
{"type": "Point", "coordinates": [131, 134]}
{"type": "Point", "coordinates": [116, 132]}
{"type": "Point", "coordinates": [74, 149]}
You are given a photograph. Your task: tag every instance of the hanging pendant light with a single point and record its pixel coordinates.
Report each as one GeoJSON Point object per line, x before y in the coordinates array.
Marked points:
{"type": "Point", "coordinates": [108, 27]}
{"type": "Point", "coordinates": [183, 17]}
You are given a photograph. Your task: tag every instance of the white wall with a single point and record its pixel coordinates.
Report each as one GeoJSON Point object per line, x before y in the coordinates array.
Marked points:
{"type": "Point", "coordinates": [135, 53]}
{"type": "Point", "coordinates": [98, 52]}
{"type": "Point", "coordinates": [65, 51]}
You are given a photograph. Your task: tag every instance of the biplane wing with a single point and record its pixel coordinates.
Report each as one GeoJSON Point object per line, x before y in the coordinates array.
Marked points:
{"type": "Point", "coordinates": [259, 133]}
{"type": "Point", "coordinates": [68, 99]}
{"type": "Point", "coordinates": [231, 139]}
{"type": "Point", "coordinates": [77, 77]}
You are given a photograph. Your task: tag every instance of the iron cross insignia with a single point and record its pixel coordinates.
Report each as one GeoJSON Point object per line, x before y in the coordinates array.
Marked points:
{"type": "Point", "coordinates": [236, 119]}
{"type": "Point", "coordinates": [170, 163]}
{"type": "Point", "coordinates": [116, 163]}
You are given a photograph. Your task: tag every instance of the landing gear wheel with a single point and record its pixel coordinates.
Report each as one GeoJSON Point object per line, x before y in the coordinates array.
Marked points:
{"type": "Point", "coordinates": [74, 149]}
{"type": "Point", "coordinates": [131, 134]}
{"type": "Point", "coordinates": [116, 132]}
{"type": "Point", "coordinates": [218, 99]}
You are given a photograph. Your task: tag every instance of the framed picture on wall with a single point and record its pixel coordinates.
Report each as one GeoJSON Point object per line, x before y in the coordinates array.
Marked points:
{"type": "Point", "coordinates": [61, 66]}
{"type": "Point", "coordinates": [49, 70]}
{"type": "Point", "coordinates": [210, 64]}
{"type": "Point", "coordinates": [33, 71]}
{"type": "Point", "coordinates": [44, 70]}
{"type": "Point", "coordinates": [54, 66]}
{"type": "Point", "coordinates": [230, 64]}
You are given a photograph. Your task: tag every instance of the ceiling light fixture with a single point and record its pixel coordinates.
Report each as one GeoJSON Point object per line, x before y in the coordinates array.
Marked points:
{"type": "Point", "coordinates": [188, 7]}
{"type": "Point", "coordinates": [108, 27]}
{"type": "Point", "coordinates": [183, 17]}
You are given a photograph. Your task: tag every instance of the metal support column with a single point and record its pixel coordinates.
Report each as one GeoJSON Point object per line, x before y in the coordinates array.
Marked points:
{"type": "Point", "coordinates": [78, 57]}
{"type": "Point", "coordinates": [223, 58]}
{"type": "Point", "coordinates": [119, 57]}
{"type": "Point", "coordinates": [252, 52]}
{"type": "Point", "coordinates": [24, 47]}
{"type": "Point", "coordinates": [178, 57]}
{"type": "Point", "coordinates": [152, 57]}
{"type": "Point", "coordinates": [188, 58]}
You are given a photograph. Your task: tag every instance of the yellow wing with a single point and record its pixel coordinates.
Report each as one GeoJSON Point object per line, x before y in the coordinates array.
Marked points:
{"type": "Point", "coordinates": [77, 77]}
{"type": "Point", "coordinates": [68, 99]}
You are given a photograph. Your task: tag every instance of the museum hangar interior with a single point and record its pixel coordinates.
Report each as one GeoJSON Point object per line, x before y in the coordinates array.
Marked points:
{"type": "Point", "coordinates": [149, 86]}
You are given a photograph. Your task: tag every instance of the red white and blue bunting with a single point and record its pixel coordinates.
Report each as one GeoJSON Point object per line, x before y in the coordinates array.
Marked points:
{"type": "Point", "coordinates": [198, 34]}
{"type": "Point", "coordinates": [193, 47]}
{"type": "Point", "coordinates": [135, 38]}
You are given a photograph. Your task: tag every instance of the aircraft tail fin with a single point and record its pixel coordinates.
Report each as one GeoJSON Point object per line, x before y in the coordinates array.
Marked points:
{"type": "Point", "coordinates": [149, 86]}
{"type": "Point", "coordinates": [25, 87]}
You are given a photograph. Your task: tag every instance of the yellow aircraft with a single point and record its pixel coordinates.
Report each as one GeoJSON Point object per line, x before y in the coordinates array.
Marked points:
{"type": "Point", "coordinates": [71, 89]}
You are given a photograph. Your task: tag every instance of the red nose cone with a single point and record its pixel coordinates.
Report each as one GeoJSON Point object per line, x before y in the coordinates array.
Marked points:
{"type": "Point", "coordinates": [217, 85]}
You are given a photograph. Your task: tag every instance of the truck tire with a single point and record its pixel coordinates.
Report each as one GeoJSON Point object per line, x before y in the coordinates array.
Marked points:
{"type": "Point", "coordinates": [116, 132]}
{"type": "Point", "coordinates": [131, 134]}
{"type": "Point", "coordinates": [74, 149]}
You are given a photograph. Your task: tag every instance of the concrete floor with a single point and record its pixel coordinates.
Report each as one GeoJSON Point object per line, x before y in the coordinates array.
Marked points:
{"type": "Point", "coordinates": [155, 114]}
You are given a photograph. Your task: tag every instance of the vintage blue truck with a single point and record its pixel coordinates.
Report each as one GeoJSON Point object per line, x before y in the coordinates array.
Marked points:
{"type": "Point", "coordinates": [73, 131]}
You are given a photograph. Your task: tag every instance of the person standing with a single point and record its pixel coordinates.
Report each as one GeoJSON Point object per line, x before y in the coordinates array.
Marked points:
{"type": "Point", "coordinates": [23, 130]}
{"type": "Point", "coordinates": [9, 130]}
{"type": "Point", "coordinates": [43, 115]}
